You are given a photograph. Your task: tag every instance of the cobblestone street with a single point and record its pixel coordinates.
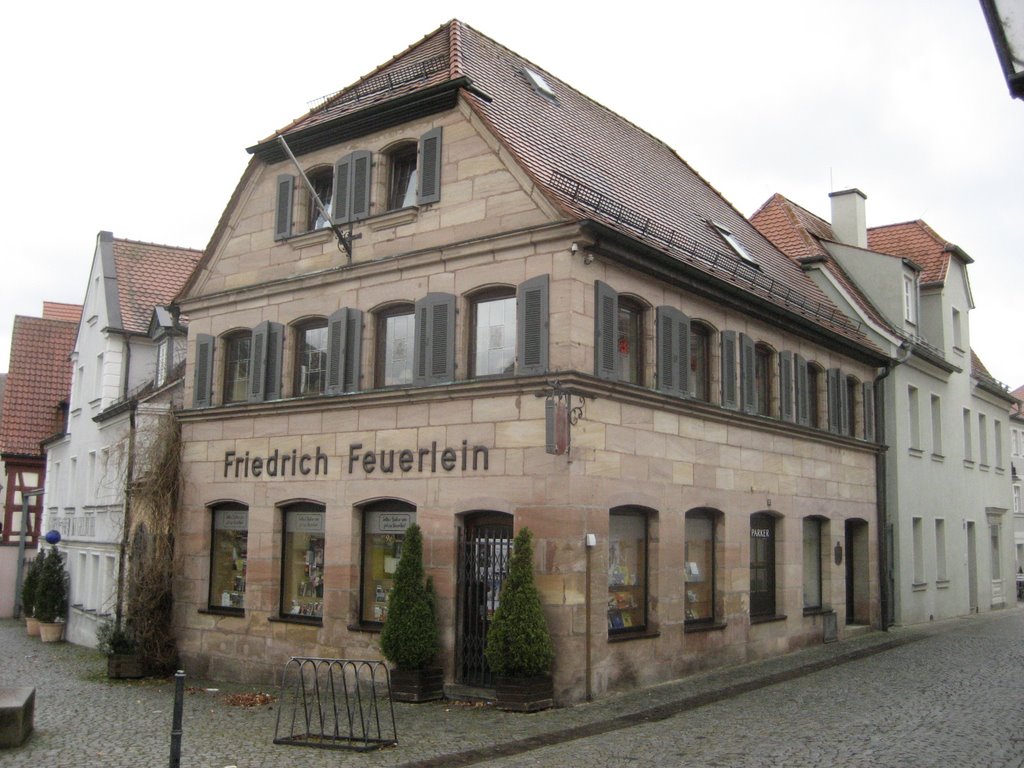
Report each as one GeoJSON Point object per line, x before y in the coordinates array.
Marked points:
{"type": "Point", "coordinates": [945, 694]}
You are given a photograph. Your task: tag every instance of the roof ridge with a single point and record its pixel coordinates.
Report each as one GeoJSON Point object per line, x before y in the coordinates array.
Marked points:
{"type": "Point", "coordinates": [156, 245]}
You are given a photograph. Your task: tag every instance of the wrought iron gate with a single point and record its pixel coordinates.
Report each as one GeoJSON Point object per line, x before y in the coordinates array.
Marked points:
{"type": "Point", "coordinates": [484, 547]}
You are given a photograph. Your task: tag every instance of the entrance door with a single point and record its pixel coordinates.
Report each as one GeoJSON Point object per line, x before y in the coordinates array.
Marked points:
{"type": "Point", "coordinates": [485, 542]}
{"type": "Point", "coordinates": [858, 602]}
{"type": "Point", "coordinates": [972, 569]}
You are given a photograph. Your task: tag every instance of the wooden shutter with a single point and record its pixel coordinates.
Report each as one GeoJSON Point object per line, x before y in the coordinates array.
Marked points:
{"type": "Point", "coordinates": [532, 321]}
{"type": "Point", "coordinates": [257, 362]}
{"type": "Point", "coordinates": [802, 384]}
{"type": "Point", "coordinates": [429, 166]}
{"type": "Point", "coordinates": [203, 371]}
{"type": "Point", "coordinates": [606, 319]}
{"type": "Point", "coordinates": [869, 411]}
{"type": "Point", "coordinates": [353, 350]}
{"type": "Point", "coordinates": [275, 349]}
{"type": "Point", "coordinates": [834, 378]}
{"type": "Point", "coordinates": [360, 185]}
{"type": "Point", "coordinates": [787, 409]}
{"type": "Point", "coordinates": [283, 207]}
{"type": "Point", "coordinates": [337, 335]}
{"type": "Point", "coordinates": [748, 391]}
{"type": "Point", "coordinates": [342, 190]}
{"type": "Point", "coordinates": [729, 398]}
{"type": "Point", "coordinates": [434, 361]}
{"type": "Point", "coordinates": [673, 342]}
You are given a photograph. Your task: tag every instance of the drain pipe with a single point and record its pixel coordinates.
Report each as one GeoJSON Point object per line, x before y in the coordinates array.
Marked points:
{"type": "Point", "coordinates": [589, 541]}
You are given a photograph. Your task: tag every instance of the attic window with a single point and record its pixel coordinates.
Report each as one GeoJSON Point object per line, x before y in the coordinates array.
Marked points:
{"type": "Point", "coordinates": [540, 85]}
{"type": "Point", "coordinates": [738, 248]}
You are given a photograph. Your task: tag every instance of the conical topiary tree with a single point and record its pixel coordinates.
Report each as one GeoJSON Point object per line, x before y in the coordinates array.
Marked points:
{"type": "Point", "coordinates": [52, 588]}
{"type": "Point", "coordinates": [518, 642]}
{"type": "Point", "coordinates": [28, 586]}
{"type": "Point", "coordinates": [409, 639]}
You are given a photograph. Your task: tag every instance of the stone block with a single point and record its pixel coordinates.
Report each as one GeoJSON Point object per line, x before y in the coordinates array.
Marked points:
{"type": "Point", "coordinates": [17, 715]}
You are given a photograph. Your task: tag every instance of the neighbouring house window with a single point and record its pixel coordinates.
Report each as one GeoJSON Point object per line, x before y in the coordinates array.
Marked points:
{"type": "Point", "coordinates": [228, 554]}
{"type": "Point", "coordinates": [968, 440]}
{"type": "Point", "coordinates": [302, 582]}
{"type": "Point", "coordinates": [402, 177]}
{"type": "Point", "coordinates": [762, 565]}
{"type": "Point", "coordinates": [917, 531]}
{"type": "Point", "coordinates": [995, 532]}
{"type": "Point", "coordinates": [914, 414]}
{"type": "Point", "coordinates": [163, 360]}
{"type": "Point", "coordinates": [322, 181]}
{"type": "Point", "coordinates": [630, 341]}
{"type": "Point", "coordinates": [909, 299]}
{"type": "Point", "coordinates": [982, 440]}
{"type": "Point", "coordinates": [311, 358]}
{"type": "Point", "coordinates": [493, 341]}
{"type": "Point", "coordinates": [396, 328]}
{"type": "Point", "coordinates": [699, 566]}
{"type": "Point", "coordinates": [958, 341]}
{"type": "Point", "coordinates": [237, 348]}
{"type": "Point", "coordinates": [997, 434]}
{"type": "Point", "coordinates": [762, 380]}
{"type": "Point", "coordinates": [627, 570]}
{"type": "Point", "coordinates": [815, 541]}
{"type": "Point", "coordinates": [700, 361]}
{"type": "Point", "coordinates": [940, 550]}
{"type": "Point", "coordinates": [936, 425]}
{"type": "Point", "coordinates": [815, 375]}
{"type": "Point", "coordinates": [384, 526]}
{"type": "Point", "coordinates": [1016, 499]}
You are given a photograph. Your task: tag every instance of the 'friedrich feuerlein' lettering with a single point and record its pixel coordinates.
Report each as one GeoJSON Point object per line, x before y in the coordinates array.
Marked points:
{"type": "Point", "coordinates": [277, 464]}
{"type": "Point", "coordinates": [422, 459]}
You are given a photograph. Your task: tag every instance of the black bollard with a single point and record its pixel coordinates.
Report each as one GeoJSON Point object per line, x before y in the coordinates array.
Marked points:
{"type": "Point", "coordinates": [179, 703]}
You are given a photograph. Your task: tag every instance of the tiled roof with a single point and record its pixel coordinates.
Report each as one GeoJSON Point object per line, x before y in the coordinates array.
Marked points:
{"type": "Point", "coordinates": [978, 368]}
{"type": "Point", "coordinates": [916, 241]}
{"type": "Point", "coordinates": [38, 380]}
{"type": "Point", "coordinates": [798, 233]}
{"type": "Point", "coordinates": [148, 275]}
{"type": "Point", "coordinates": [592, 163]}
{"type": "Point", "coordinates": [53, 310]}
{"type": "Point", "coordinates": [1019, 392]}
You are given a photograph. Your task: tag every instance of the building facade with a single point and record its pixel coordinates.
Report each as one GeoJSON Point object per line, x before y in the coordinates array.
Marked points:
{"type": "Point", "coordinates": [126, 365]}
{"type": "Point", "coordinates": [947, 469]}
{"type": "Point", "coordinates": [523, 335]}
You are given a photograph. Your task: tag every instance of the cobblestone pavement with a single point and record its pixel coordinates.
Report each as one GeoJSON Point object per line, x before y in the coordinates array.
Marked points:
{"type": "Point", "coordinates": [945, 694]}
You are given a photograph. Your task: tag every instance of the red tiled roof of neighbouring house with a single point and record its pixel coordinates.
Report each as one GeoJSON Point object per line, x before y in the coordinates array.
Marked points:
{"type": "Point", "coordinates": [54, 310]}
{"type": "Point", "coordinates": [149, 275]}
{"type": "Point", "coordinates": [38, 381]}
{"type": "Point", "coordinates": [591, 163]}
{"type": "Point", "coordinates": [916, 241]}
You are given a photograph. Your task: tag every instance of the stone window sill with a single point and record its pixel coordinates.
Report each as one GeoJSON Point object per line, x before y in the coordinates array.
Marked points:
{"type": "Point", "coordinates": [710, 626]}
{"type": "Point", "coordinates": [309, 621]}
{"type": "Point", "coordinates": [767, 619]}
{"type": "Point", "coordinates": [642, 634]}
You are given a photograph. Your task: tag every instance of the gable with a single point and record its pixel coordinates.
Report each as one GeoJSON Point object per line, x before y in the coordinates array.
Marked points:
{"type": "Point", "coordinates": [482, 192]}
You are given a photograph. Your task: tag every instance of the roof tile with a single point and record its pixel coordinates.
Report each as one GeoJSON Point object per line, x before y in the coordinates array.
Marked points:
{"type": "Point", "coordinates": [149, 275]}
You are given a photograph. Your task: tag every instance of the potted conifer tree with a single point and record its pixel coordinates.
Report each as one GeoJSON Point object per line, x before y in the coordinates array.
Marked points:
{"type": "Point", "coordinates": [51, 599]}
{"type": "Point", "coordinates": [519, 649]}
{"type": "Point", "coordinates": [409, 639]}
{"type": "Point", "coordinates": [28, 595]}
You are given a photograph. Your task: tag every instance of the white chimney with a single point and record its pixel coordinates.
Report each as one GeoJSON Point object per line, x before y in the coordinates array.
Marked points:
{"type": "Point", "coordinates": [848, 219]}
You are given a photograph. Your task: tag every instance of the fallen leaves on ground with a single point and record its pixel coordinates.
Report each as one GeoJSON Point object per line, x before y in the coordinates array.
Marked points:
{"type": "Point", "coordinates": [249, 700]}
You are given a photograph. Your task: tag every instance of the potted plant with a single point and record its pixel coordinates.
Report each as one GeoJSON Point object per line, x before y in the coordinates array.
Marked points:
{"type": "Point", "coordinates": [28, 595]}
{"type": "Point", "coordinates": [51, 596]}
{"type": "Point", "coordinates": [409, 639]}
{"type": "Point", "coordinates": [519, 649]}
{"type": "Point", "coordinates": [117, 641]}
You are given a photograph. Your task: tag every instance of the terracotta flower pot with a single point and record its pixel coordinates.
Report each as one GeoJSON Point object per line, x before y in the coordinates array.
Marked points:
{"type": "Point", "coordinates": [32, 626]}
{"type": "Point", "coordinates": [50, 633]}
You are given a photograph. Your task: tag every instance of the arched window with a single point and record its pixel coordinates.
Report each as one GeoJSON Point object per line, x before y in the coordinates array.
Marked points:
{"type": "Point", "coordinates": [229, 545]}
{"type": "Point", "coordinates": [310, 357]}
{"type": "Point", "coordinates": [402, 176]}
{"type": "Point", "coordinates": [492, 346]}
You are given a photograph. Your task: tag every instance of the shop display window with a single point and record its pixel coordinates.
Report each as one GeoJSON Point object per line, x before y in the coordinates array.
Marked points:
{"type": "Point", "coordinates": [384, 527]}
{"type": "Point", "coordinates": [228, 554]}
{"type": "Point", "coordinates": [699, 566]}
{"type": "Point", "coordinates": [302, 582]}
{"type": "Point", "coordinates": [627, 571]}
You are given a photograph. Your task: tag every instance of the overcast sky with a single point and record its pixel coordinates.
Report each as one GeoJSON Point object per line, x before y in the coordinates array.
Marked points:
{"type": "Point", "coordinates": [134, 118]}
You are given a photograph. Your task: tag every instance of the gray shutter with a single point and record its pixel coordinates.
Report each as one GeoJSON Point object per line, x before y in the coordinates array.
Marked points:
{"type": "Point", "coordinates": [435, 339]}
{"type": "Point", "coordinates": [729, 398]}
{"type": "Point", "coordinates": [845, 427]}
{"type": "Point", "coordinates": [869, 411]}
{"type": "Point", "coordinates": [257, 362]}
{"type": "Point", "coordinates": [360, 184]}
{"type": "Point", "coordinates": [606, 319]}
{"type": "Point", "coordinates": [342, 190]}
{"type": "Point", "coordinates": [275, 349]}
{"type": "Point", "coordinates": [748, 392]}
{"type": "Point", "coordinates": [532, 323]}
{"type": "Point", "coordinates": [337, 333]}
{"type": "Point", "coordinates": [353, 350]}
{"type": "Point", "coordinates": [803, 384]}
{"type": "Point", "coordinates": [283, 207]}
{"type": "Point", "coordinates": [673, 342]}
{"type": "Point", "coordinates": [429, 167]}
{"type": "Point", "coordinates": [834, 419]}
{"type": "Point", "coordinates": [203, 371]}
{"type": "Point", "coordinates": [787, 411]}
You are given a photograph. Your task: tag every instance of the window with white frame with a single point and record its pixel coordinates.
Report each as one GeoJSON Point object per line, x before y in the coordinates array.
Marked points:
{"type": "Point", "coordinates": [940, 550]}
{"type": "Point", "coordinates": [997, 434]}
{"type": "Point", "coordinates": [914, 415]}
{"type": "Point", "coordinates": [983, 439]}
{"type": "Point", "coordinates": [909, 299]}
{"type": "Point", "coordinates": [917, 530]}
{"type": "Point", "coordinates": [936, 425]}
{"type": "Point", "coordinates": [968, 439]}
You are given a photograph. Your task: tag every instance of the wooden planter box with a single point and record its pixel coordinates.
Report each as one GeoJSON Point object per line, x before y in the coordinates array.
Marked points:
{"type": "Point", "coordinates": [417, 685]}
{"type": "Point", "coordinates": [525, 694]}
{"type": "Point", "coordinates": [124, 666]}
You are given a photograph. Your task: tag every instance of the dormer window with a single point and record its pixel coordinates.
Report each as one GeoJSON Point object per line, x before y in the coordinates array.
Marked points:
{"type": "Point", "coordinates": [734, 243]}
{"type": "Point", "coordinates": [910, 299]}
{"type": "Point", "coordinates": [322, 181]}
{"type": "Point", "coordinates": [163, 360]}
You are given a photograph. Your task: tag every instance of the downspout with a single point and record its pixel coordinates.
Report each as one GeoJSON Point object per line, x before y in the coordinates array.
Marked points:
{"type": "Point", "coordinates": [881, 487]}
{"type": "Point", "coordinates": [128, 479]}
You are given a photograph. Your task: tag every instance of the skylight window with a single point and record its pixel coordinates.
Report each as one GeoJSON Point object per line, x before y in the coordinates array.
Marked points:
{"type": "Point", "coordinates": [738, 248]}
{"type": "Point", "coordinates": [540, 85]}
